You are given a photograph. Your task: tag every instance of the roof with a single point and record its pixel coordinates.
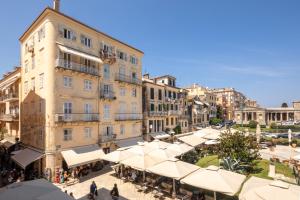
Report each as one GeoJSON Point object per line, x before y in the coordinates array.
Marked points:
{"type": "Point", "coordinates": [10, 73]}
{"type": "Point", "coordinates": [48, 9]}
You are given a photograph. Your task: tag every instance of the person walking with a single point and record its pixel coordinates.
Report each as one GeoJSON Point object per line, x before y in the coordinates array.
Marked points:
{"type": "Point", "coordinates": [115, 192]}
{"type": "Point", "coordinates": [93, 190]}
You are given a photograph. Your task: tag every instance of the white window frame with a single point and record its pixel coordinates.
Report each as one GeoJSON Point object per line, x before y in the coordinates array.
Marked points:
{"type": "Point", "coordinates": [41, 80]}
{"type": "Point", "coordinates": [67, 136]}
{"type": "Point", "coordinates": [68, 81]}
{"type": "Point", "coordinates": [106, 111]}
{"type": "Point", "coordinates": [87, 85]}
{"type": "Point", "coordinates": [133, 92]}
{"type": "Point", "coordinates": [87, 132]}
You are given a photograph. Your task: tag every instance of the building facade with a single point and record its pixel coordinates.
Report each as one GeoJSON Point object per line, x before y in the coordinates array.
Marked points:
{"type": "Point", "coordinates": [229, 99]}
{"type": "Point", "coordinates": [164, 105]}
{"type": "Point", "coordinates": [80, 87]}
{"type": "Point", "coordinates": [10, 86]}
{"type": "Point", "coordinates": [266, 116]}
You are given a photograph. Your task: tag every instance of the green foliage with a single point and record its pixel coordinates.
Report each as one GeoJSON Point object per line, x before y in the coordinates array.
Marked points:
{"type": "Point", "coordinates": [232, 165]}
{"type": "Point", "coordinates": [214, 121]}
{"type": "Point", "coordinates": [273, 125]}
{"type": "Point", "coordinates": [253, 124]}
{"type": "Point", "coordinates": [190, 157]}
{"type": "Point", "coordinates": [177, 129]}
{"type": "Point", "coordinates": [220, 113]}
{"type": "Point", "coordinates": [294, 141]}
{"type": "Point", "coordinates": [208, 160]}
{"type": "Point", "coordinates": [240, 147]}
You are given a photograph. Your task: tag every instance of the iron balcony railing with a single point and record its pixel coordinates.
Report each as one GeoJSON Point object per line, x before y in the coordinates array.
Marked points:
{"type": "Point", "coordinates": [65, 64]}
{"type": "Point", "coordinates": [107, 137]}
{"type": "Point", "coordinates": [9, 117]}
{"type": "Point", "coordinates": [127, 79]}
{"type": "Point", "coordinates": [9, 97]}
{"type": "Point", "coordinates": [107, 94]}
{"type": "Point", "coordinates": [128, 116]}
{"type": "Point", "coordinates": [157, 113]}
{"type": "Point", "coordinates": [76, 117]}
{"type": "Point", "coordinates": [174, 112]}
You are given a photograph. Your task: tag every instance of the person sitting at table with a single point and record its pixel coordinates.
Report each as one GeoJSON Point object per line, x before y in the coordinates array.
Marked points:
{"type": "Point", "coordinates": [133, 176]}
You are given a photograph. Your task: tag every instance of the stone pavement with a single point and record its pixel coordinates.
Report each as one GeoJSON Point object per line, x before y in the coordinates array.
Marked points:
{"type": "Point", "coordinates": [105, 182]}
{"type": "Point", "coordinates": [281, 152]}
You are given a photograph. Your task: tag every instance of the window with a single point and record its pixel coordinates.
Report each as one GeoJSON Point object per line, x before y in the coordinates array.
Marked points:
{"type": "Point", "coordinates": [167, 122]}
{"type": "Point", "coordinates": [67, 34]}
{"type": "Point", "coordinates": [87, 108]}
{"type": "Point", "coordinates": [159, 94]}
{"type": "Point", "coordinates": [151, 93]}
{"type": "Point", "coordinates": [26, 87]}
{"type": "Point", "coordinates": [67, 134]}
{"type": "Point", "coordinates": [41, 33]}
{"type": "Point", "coordinates": [87, 132]}
{"type": "Point", "coordinates": [122, 91]}
{"type": "Point", "coordinates": [172, 121]}
{"type": "Point", "coordinates": [86, 41]}
{"type": "Point", "coordinates": [134, 107]}
{"type": "Point", "coordinates": [159, 107]}
{"type": "Point", "coordinates": [41, 80]}
{"type": "Point", "coordinates": [67, 60]}
{"type": "Point", "coordinates": [122, 70]}
{"type": "Point", "coordinates": [88, 85]}
{"type": "Point", "coordinates": [133, 93]}
{"type": "Point", "coordinates": [67, 110]}
{"type": "Point", "coordinates": [108, 130]}
{"type": "Point", "coordinates": [133, 60]}
{"type": "Point", "coordinates": [106, 73]}
{"type": "Point", "coordinates": [106, 112]}
{"type": "Point", "coordinates": [151, 107]}
{"type": "Point", "coordinates": [121, 55]}
{"type": "Point", "coordinates": [174, 95]}
{"type": "Point", "coordinates": [33, 83]}
{"type": "Point", "coordinates": [68, 81]}
{"type": "Point", "coordinates": [26, 67]}
{"type": "Point", "coordinates": [122, 129]}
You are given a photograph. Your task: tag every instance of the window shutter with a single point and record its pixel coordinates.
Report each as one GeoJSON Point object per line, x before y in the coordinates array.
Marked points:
{"type": "Point", "coordinates": [82, 39]}
{"type": "Point", "coordinates": [73, 35]}
{"type": "Point", "coordinates": [101, 45]}
{"type": "Point", "coordinates": [60, 31]}
{"type": "Point", "coordinates": [125, 56]}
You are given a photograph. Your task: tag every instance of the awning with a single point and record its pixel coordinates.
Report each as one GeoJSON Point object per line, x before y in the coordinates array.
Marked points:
{"type": "Point", "coordinates": [79, 53]}
{"type": "Point", "coordinates": [7, 143]}
{"type": "Point", "coordinates": [26, 157]}
{"type": "Point", "coordinates": [9, 82]}
{"type": "Point", "coordinates": [198, 102]}
{"type": "Point", "coordinates": [160, 135]}
{"type": "Point", "coordinates": [129, 142]}
{"type": "Point", "coordinates": [82, 155]}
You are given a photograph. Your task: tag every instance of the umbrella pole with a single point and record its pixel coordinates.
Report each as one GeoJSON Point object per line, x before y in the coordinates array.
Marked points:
{"type": "Point", "coordinates": [174, 189]}
{"type": "Point", "coordinates": [215, 196]}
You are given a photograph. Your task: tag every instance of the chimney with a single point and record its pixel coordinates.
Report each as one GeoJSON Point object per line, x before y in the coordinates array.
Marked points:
{"type": "Point", "coordinates": [146, 76]}
{"type": "Point", "coordinates": [56, 5]}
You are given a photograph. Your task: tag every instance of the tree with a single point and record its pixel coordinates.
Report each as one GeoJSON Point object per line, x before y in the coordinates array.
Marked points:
{"type": "Point", "coordinates": [214, 121]}
{"type": "Point", "coordinates": [177, 129]}
{"type": "Point", "coordinates": [220, 113]}
{"type": "Point", "coordinates": [284, 105]}
{"type": "Point", "coordinates": [253, 124]}
{"type": "Point", "coordinates": [237, 146]}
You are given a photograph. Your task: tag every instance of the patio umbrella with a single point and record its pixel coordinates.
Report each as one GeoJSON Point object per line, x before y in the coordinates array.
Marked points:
{"type": "Point", "coordinates": [140, 149]}
{"type": "Point", "coordinates": [162, 154]}
{"type": "Point", "coordinates": [178, 148]}
{"type": "Point", "coordinates": [263, 189]}
{"type": "Point", "coordinates": [173, 168]}
{"type": "Point", "coordinates": [215, 179]}
{"type": "Point", "coordinates": [192, 140]}
{"type": "Point", "coordinates": [141, 162]}
{"type": "Point", "coordinates": [157, 144]}
{"type": "Point", "coordinates": [290, 135]}
{"type": "Point", "coordinates": [118, 155]}
{"type": "Point", "coordinates": [212, 134]}
{"type": "Point", "coordinates": [258, 133]}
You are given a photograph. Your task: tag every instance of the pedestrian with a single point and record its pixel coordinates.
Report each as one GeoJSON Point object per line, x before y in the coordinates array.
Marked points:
{"type": "Point", "coordinates": [71, 195]}
{"type": "Point", "coordinates": [115, 192]}
{"type": "Point", "coordinates": [93, 190]}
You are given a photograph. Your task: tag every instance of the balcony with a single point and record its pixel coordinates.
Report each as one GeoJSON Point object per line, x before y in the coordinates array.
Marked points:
{"type": "Point", "coordinates": [107, 137]}
{"type": "Point", "coordinates": [76, 67]}
{"type": "Point", "coordinates": [109, 95]}
{"type": "Point", "coordinates": [9, 117]}
{"type": "Point", "coordinates": [127, 79]}
{"type": "Point", "coordinates": [157, 113]}
{"type": "Point", "coordinates": [76, 117]}
{"type": "Point", "coordinates": [174, 112]}
{"type": "Point", "coordinates": [128, 116]}
{"type": "Point", "coordinates": [9, 97]}
{"type": "Point", "coordinates": [108, 57]}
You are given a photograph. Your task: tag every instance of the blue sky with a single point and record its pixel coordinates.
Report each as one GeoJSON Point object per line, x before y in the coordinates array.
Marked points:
{"type": "Point", "coordinates": [253, 45]}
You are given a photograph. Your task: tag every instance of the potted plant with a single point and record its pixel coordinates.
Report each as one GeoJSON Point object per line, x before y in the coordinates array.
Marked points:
{"type": "Point", "coordinates": [294, 143]}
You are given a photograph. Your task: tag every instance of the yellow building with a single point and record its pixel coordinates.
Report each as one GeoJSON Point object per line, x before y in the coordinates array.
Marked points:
{"type": "Point", "coordinates": [9, 106]}
{"type": "Point", "coordinates": [79, 87]}
{"type": "Point", "coordinates": [164, 105]}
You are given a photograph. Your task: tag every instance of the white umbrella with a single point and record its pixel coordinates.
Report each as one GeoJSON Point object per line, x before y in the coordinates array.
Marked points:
{"type": "Point", "coordinates": [290, 135]}
{"type": "Point", "coordinates": [157, 144]}
{"type": "Point", "coordinates": [117, 156]}
{"type": "Point", "coordinates": [263, 189]}
{"type": "Point", "coordinates": [297, 157]}
{"type": "Point", "coordinates": [141, 162]}
{"type": "Point", "coordinates": [215, 179]}
{"type": "Point", "coordinates": [258, 133]}
{"type": "Point", "coordinates": [211, 142]}
{"type": "Point", "coordinates": [178, 148]}
{"type": "Point", "coordinates": [140, 149]}
{"type": "Point", "coordinates": [192, 140]}
{"type": "Point", "coordinates": [162, 154]}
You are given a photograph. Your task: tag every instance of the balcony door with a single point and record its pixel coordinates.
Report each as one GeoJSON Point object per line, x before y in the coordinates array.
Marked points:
{"type": "Point", "coordinates": [67, 60]}
{"type": "Point", "coordinates": [67, 111]}
{"type": "Point", "coordinates": [87, 111]}
{"type": "Point", "coordinates": [122, 71]}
